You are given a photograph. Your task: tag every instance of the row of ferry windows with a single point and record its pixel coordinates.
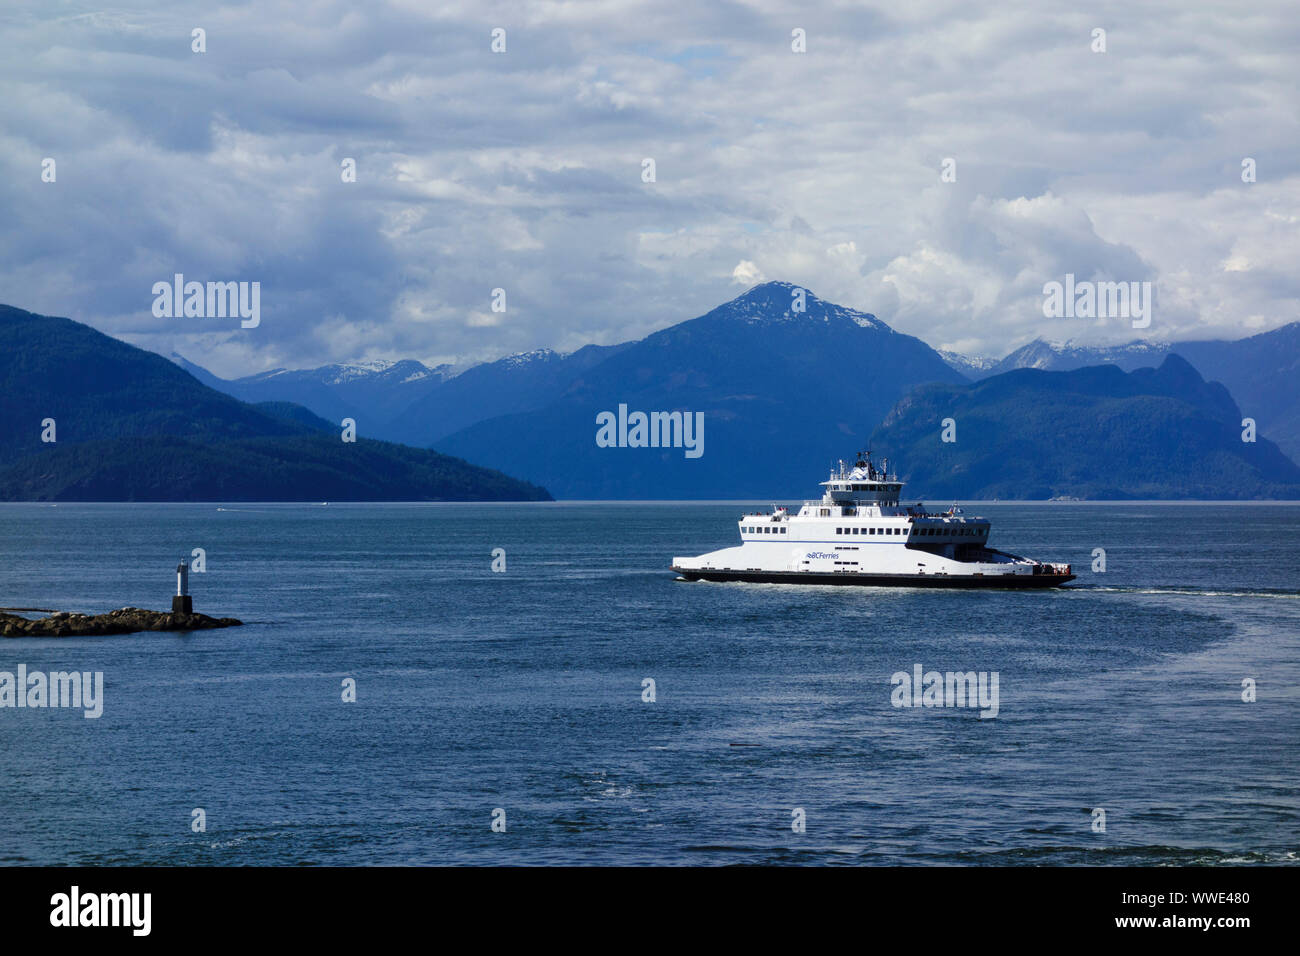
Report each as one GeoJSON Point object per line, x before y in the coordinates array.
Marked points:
{"type": "Point", "coordinates": [921, 532]}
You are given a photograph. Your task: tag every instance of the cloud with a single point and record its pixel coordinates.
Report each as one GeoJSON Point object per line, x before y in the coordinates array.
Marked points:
{"type": "Point", "coordinates": [522, 170]}
{"type": "Point", "coordinates": [747, 274]}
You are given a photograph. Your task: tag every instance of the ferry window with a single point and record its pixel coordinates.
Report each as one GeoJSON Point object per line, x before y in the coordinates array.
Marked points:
{"type": "Point", "coordinates": [783, 530]}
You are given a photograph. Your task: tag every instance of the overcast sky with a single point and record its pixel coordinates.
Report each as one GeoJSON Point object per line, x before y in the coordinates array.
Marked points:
{"type": "Point", "coordinates": [523, 170]}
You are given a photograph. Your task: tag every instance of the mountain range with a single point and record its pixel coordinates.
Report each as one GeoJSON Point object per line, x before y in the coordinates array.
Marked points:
{"type": "Point", "coordinates": [127, 424]}
{"type": "Point", "coordinates": [1091, 432]}
{"type": "Point", "coordinates": [410, 403]}
{"type": "Point", "coordinates": [782, 392]}
{"type": "Point", "coordinates": [1261, 371]}
{"type": "Point", "coordinates": [783, 383]}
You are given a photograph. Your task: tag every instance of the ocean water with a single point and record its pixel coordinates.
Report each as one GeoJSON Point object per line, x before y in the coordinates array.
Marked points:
{"type": "Point", "coordinates": [522, 691]}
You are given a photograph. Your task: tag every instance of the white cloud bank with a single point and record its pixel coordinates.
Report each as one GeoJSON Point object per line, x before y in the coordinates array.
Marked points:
{"type": "Point", "coordinates": [524, 170]}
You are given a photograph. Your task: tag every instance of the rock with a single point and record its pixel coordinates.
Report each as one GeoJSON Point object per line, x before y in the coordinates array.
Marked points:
{"type": "Point", "coordinates": [122, 621]}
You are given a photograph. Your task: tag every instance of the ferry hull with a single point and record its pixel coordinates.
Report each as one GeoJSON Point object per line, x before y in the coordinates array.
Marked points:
{"type": "Point", "coordinates": [859, 579]}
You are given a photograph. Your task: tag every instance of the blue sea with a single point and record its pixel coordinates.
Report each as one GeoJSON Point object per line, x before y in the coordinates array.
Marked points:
{"type": "Point", "coordinates": [523, 691]}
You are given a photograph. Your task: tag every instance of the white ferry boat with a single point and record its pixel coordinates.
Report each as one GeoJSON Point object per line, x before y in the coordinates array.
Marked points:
{"type": "Point", "coordinates": [859, 534]}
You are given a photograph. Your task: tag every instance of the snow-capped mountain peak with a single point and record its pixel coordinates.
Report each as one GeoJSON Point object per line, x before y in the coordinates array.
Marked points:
{"type": "Point", "coordinates": [778, 301]}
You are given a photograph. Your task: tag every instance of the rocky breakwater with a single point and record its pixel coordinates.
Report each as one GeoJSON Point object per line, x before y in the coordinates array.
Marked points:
{"type": "Point", "coordinates": [122, 621]}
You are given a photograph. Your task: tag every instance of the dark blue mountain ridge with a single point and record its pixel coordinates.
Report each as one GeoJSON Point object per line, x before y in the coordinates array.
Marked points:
{"type": "Point", "coordinates": [410, 403]}
{"type": "Point", "coordinates": [517, 383]}
{"type": "Point", "coordinates": [131, 425]}
{"type": "Point", "coordinates": [1261, 371]}
{"type": "Point", "coordinates": [768, 377]}
{"type": "Point", "coordinates": [369, 392]}
{"type": "Point", "coordinates": [1094, 433]}
{"type": "Point", "coordinates": [782, 393]}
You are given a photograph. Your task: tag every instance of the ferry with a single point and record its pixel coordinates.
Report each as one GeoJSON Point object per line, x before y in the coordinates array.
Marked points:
{"type": "Point", "coordinates": [859, 534]}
